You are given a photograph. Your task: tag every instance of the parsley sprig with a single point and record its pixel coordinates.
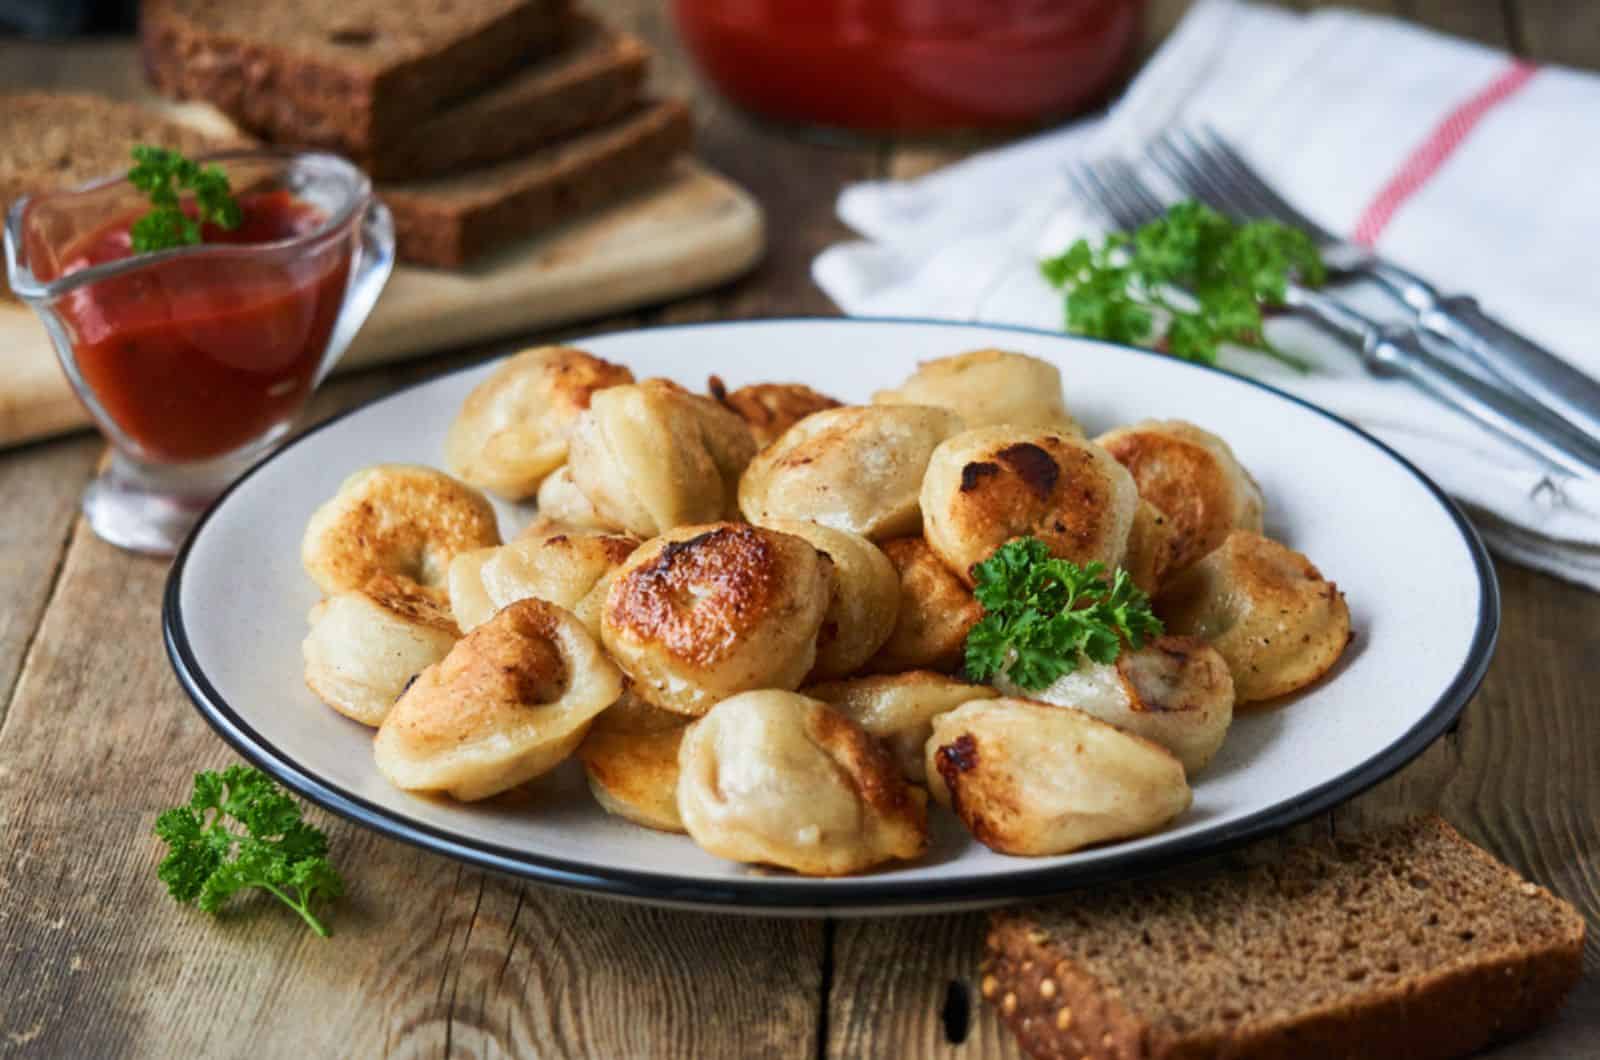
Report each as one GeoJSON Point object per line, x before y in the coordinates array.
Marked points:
{"type": "Point", "coordinates": [208, 862]}
{"type": "Point", "coordinates": [162, 174]}
{"type": "Point", "coordinates": [1042, 615]}
{"type": "Point", "coordinates": [1187, 282]}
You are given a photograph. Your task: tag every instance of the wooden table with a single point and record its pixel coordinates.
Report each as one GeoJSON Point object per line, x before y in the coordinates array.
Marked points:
{"type": "Point", "coordinates": [431, 957]}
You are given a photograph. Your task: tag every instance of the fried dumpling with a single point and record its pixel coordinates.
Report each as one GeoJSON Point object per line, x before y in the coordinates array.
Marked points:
{"type": "Point", "coordinates": [509, 702]}
{"type": "Point", "coordinates": [769, 409]}
{"type": "Point", "coordinates": [1033, 779]}
{"type": "Point", "coordinates": [704, 612]}
{"type": "Point", "coordinates": [560, 500]}
{"type": "Point", "coordinates": [557, 565]}
{"type": "Point", "coordinates": [856, 469]}
{"type": "Point", "coordinates": [631, 759]}
{"type": "Point", "coordinates": [1174, 691]}
{"type": "Point", "coordinates": [1266, 608]}
{"type": "Point", "coordinates": [652, 456]}
{"type": "Point", "coordinates": [987, 486]}
{"type": "Point", "coordinates": [775, 778]}
{"type": "Point", "coordinates": [1151, 554]}
{"type": "Point", "coordinates": [1192, 476]}
{"type": "Point", "coordinates": [899, 710]}
{"type": "Point", "coordinates": [936, 611]}
{"type": "Point", "coordinates": [865, 599]}
{"type": "Point", "coordinates": [988, 388]}
{"type": "Point", "coordinates": [398, 519]}
{"type": "Point", "coordinates": [366, 644]}
{"type": "Point", "coordinates": [513, 428]}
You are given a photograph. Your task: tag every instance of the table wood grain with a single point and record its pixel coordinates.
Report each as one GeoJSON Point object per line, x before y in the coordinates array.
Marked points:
{"type": "Point", "coordinates": [432, 958]}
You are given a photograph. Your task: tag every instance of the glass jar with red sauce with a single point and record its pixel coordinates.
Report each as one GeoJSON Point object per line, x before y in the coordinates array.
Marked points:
{"type": "Point", "coordinates": [197, 359]}
{"type": "Point", "coordinates": [912, 66]}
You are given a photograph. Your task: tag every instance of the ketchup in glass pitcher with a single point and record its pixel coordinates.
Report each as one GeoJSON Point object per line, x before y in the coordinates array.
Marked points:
{"type": "Point", "coordinates": [912, 66]}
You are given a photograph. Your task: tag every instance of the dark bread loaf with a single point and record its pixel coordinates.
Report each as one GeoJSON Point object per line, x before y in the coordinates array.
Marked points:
{"type": "Point", "coordinates": [347, 75]}
{"type": "Point", "coordinates": [589, 82]}
{"type": "Point", "coordinates": [59, 140]}
{"type": "Point", "coordinates": [1409, 943]}
{"type": "Point", "coordinates": [451, 220]}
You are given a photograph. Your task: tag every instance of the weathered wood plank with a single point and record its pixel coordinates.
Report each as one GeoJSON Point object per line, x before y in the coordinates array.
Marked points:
{"type": "Point", "coordinates": [41, 486]}
{"type": "Point", "coordinates": [1558, 31]}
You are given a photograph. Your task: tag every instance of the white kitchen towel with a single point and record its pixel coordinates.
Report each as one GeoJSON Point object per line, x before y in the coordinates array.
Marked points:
{"type": "Point", "coordinates": [1455, 160]}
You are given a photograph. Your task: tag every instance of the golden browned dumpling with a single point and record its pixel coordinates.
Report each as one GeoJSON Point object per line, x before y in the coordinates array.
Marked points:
{"type": "Point", "coordinates": [987, 486]}
{"type": "Point", "coordinates": [775, 778]}
{"type": "Point", "coordinates": [513, 428]}
{"type": "Point", "coordinates": [631, 758]}
{"type": "Point", "coordinates": [396, 519]}
{"type": "Point", "coordinates": [561, 501]}
{"type": "Point", "coordinates": [771, 408]}
{"type": "Point", "coordinates": [856, 469]}
{"type": "Point", "coordinates": [899, 710]}
{"type": "Point", "coordinates": [652, 456]}
{"type": "Point", "coordinates": [936, 611]}
{"type": "Point", "coordinates": [1152, 548]}
{"type": "Point", "coordinates": [366, 643]}
{"type": "Point", "coordinates": [1029, 778]}
{"type": "Point", "coordinates": [1193, 477]}
{"type": "Point", "coordinates": [1266, 608]}
{"type": "Point", "coordinates": [988, 388]}
{"type": "Point", "coordinates": [508, 703]}
{"type": "Point", "coordinates": [704, 612]}
{"type": "Point", "coordinates": [865, 599]}
{"type": "Point", "coordinates": [558, 565]}
{"type": "Point", "coordinates": [1175, 691]}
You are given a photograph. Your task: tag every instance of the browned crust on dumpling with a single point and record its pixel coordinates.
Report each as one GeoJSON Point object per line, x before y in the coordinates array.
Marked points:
{"type": "Point", "coordinates": [992, 485]}
{"type": "Point", "coordinates": [1204, 676]}
{"type": "Point", "coordinates": [870, 768]}
{"type": "Point", "coordinates": [732, 566]}
{"type": "Point", "coordinates": [769, 409]}
{"type": "Point", "coordinates": [936, 612]}
{"type": "Point", "coordinates": [411, 601]}
{"type": "Point", "coordinates": [1192, 477]}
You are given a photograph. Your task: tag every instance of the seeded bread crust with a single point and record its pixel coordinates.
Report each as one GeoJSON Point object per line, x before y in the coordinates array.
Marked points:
{"type": "Point", "coordinates": [593, 80]}
{"type": "Point", "coordinates": [340, 92]}
{"type": "Point", "coordinates": [448, 222]}
{"type": "Point", "coordinates": [1064, 1006]}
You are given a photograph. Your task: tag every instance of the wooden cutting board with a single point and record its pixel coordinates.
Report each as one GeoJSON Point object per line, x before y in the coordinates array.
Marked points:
{"type": "Point", "coordinates": [693, 231]}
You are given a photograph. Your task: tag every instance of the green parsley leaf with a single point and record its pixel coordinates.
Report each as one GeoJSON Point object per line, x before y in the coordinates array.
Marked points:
{"type": "Point", "coordinates": [1203, 277]}
{"type": "Point", "coordinates": [1042, 615]}
{"type": "Point", "coordinates": [161, 174]}
{"type": "Point", "coordinates": [208, 862]}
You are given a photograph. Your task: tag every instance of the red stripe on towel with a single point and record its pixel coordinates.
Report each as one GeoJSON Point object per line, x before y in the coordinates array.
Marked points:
{"type": "Point", "coordinates": [1432, 153]}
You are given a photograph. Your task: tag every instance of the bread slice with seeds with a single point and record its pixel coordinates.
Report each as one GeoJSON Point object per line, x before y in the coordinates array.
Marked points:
{"type": "Point", "coordinates": [1410, 942]}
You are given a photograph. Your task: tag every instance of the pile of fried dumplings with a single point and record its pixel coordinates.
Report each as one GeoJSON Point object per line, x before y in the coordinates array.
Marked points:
{"type": "Point", "coordinates": [744, 612]}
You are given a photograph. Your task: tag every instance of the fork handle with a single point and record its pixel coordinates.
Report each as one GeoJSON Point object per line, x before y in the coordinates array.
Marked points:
{"type": "Point", "coordinates": [1517, 359]}
{"type": "Point", "coordinates": [1391, 350]}
{"type": "Point", "coordinates": [1552, 383]}
{"type": "Point", "coordinates": [1398, 350]}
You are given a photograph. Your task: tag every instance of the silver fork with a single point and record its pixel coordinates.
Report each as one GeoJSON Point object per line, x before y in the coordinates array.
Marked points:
{"type": "Point", "coordinates": [1117, 190]}
{"type": "Point", "coordinates": [1208, 167]}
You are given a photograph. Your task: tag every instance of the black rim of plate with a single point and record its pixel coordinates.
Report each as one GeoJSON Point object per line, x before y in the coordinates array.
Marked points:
{"type": "Point", "coordinates": [779, 893]}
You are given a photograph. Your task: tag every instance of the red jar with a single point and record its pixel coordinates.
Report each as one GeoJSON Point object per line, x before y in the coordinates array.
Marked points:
{"type": "Point", "coordinates": [912, 66]}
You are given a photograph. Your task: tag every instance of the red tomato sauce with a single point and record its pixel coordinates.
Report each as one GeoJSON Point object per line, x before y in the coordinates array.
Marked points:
{"type": "Point", "coordinates": [196, 356]}
{"type": "Point", "coordinates": [912, 65]}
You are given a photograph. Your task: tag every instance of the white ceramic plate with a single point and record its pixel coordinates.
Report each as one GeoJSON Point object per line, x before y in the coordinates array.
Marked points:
{"type": "Point", "coordinates": [1422, 597]}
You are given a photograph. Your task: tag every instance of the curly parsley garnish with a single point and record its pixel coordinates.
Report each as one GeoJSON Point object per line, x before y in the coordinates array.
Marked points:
{"type": "Point", "coordinates": [1043, 614]}
{"type": "Point", "coordinates": [208, 862]}
{"type": "Point", "coordinates": [1188, 282]}
{"type": "Point", "coordinates": [161, 174]}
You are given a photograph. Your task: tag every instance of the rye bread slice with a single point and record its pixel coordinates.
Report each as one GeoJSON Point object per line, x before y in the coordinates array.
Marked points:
{"type": "Point", "coordinates": [1409, 942]}
{"type": "Point", "coordinates": [446, 222]}
{"type": "Point", "coordinates": [592, 80]}
{"type": "Point", "coordinates": [346, 75]}
{"type": "Point", "coordinates": [55, 140]}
